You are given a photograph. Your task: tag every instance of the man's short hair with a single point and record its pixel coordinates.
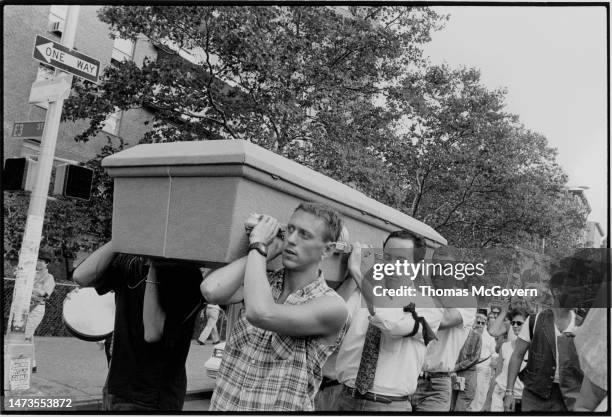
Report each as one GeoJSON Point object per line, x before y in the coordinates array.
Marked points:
{"type": "Point", "coordinates": [331, 218]}
{"type": "Point", "coordinates": [517, 311]}
{"type": "Point", "coordinates": [420, 246]}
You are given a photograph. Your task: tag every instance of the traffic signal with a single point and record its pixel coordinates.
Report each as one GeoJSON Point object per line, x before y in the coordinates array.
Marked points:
{"type": "Point", "coordinates": [73, 181]}
{"type": "Point", "coordinates": [19, 174]}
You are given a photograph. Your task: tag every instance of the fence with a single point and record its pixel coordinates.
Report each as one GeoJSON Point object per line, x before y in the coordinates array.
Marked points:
{"type": "Point", "coordinates": [52, 323]}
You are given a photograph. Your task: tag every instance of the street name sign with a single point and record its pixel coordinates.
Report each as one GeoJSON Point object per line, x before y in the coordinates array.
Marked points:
{"type": "Point", "coordinates": [28, 129]}
{"type": "Point", "coordinates": [66, 59]}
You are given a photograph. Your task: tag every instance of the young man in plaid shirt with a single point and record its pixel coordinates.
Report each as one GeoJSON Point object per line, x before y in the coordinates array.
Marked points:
{"type": "Point", "coordinates": [291, 320]}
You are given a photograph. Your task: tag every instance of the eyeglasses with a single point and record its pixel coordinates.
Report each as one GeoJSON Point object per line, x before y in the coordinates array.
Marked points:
{"type": "Point", "coordinates": [516, 323]}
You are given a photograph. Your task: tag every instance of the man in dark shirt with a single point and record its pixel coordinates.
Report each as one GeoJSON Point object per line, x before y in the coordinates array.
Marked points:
{"type": "Point", "coordinates": [156, 308]}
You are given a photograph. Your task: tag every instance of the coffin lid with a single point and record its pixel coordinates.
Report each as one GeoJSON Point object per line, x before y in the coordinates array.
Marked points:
{"type": "Point", "coordinates": [241, 152]}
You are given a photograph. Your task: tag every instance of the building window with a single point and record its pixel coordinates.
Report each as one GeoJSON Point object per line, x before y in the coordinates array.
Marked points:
{"type": "Point", "coordinates": [111, 124]}
{"type": "Point", "coordinates": [123, 50]}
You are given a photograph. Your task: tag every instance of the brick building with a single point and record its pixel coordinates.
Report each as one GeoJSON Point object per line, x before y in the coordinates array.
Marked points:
{"type": "Point", "coordinates": [93, 38]}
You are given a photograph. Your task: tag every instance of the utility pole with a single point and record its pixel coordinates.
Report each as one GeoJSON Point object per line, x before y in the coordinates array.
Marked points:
{"type": "Point", "coordinates": [18, 352]}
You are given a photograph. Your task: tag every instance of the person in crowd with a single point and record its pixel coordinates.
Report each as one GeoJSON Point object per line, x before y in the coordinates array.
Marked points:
{"type": "Point", "coordinates": [500, 328]}
{"type": "Point", "coordinates": [210, 329]}
{"type": "Point", "coordinates": [382, 353]}
{"type": "Point", "coordinates": [483, 366]}
{"type": "Point", "coordinates": [591, 345]}
{"type": "Point", "coordinates": [548, 336]}
{"type": "Point", "coordinates": [156, 307]}
{"type": "Point", "coordinates": [464, 375]}
{"type": "Point", "coordinates": [434, 389]}
{"type": "Point", "coordinates": [291, 320]}
{"type": "Point", "coordinates": [517, 319]}
{"type": "Point", "coordinates": [44, 284]}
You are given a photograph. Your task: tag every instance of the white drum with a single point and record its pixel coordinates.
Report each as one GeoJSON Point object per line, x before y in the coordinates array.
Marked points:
{"type": "Point", "coordinates": [89, 316]}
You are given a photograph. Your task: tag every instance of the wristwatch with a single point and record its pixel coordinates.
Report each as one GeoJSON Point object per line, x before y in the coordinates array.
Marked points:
{"type": "Point", "coordinates": [259, 247]}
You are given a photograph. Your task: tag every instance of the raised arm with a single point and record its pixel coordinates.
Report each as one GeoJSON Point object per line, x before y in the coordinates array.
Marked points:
{"type": "Point", "coordinates": [498, 327]}
{"type": "Point", "coordinates": [323, 316]}
{"type": "Point", "coordinates": [91, 270]}
{"type": "Point", "coordinates": [224, 285]}
{"type": "Point", "coordinates": [153, 316]}
{"type": "Point", "coordinates": [452, 317]}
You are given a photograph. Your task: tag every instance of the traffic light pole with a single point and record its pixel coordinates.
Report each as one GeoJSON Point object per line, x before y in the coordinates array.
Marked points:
{"type": "Point", "coordinates": [18, 352]}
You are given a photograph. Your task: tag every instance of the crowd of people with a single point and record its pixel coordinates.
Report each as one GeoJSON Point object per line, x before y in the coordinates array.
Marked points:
{"type": "Point", "coordinates": [299, 345]}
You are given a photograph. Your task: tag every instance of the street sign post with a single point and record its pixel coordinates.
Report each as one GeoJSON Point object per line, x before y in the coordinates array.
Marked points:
{"type": "Point", "coordinates": [66, 59]}
{"type": "Point", "coordinates": [28, 129]}
{"type": "Point", "coordinates": [18, 352]}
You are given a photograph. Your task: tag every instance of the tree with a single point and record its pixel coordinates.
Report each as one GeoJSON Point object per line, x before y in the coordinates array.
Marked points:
{"type": "Point", "coordinates": [346, 92]}
{"type": "Point", "coordinates": [471, 170]}
{"type": "Point", "coordinates": [296, 80]}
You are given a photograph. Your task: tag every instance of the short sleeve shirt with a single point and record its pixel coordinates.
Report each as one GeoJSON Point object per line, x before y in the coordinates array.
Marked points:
{"type": "Point", "coordinates": [263, 370]}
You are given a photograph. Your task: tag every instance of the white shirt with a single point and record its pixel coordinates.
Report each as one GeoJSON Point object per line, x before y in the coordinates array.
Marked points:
{"type": "Point", "coordinates": [442, 354]}
{"type": "Point", "coordinates": [502, 379]}
{"type": "Point", "coordinates": [487, 350]}
{"type": "Point", "coordinates": [571, 328]}
{"type": "Point", "coordinates": [329, 368]}
{"type": "Point", "coordinates": [400, 358]}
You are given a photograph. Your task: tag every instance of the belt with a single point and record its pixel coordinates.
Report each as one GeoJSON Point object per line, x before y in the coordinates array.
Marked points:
{"type": "Point", "coordinates": [328, 382]}
{"type": "Point", "coordinates": [426, 374]}
{"type": "Point", "coordinates": [370, 396]}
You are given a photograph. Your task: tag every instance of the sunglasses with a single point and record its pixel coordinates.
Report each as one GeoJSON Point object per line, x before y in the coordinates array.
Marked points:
{"type": "Point", "coordinates": [516, 323]}
{"type": "Point", "coordinates": [480, 322]}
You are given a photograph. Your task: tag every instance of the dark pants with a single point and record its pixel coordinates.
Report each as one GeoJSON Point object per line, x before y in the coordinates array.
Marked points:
{"type": "Point", "coordinates": [462, 399]}
{"type": "Point", "coordinates": [112, 402]}
{"type": "Point", "coordinates": [532, 402]}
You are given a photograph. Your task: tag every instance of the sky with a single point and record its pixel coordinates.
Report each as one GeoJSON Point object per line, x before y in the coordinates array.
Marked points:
{"type": "Point", "coordinates": [552, 61]}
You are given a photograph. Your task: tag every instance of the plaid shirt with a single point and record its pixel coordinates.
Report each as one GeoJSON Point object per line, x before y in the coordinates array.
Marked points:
{"type": "Point", "coordinates": [266, 371]}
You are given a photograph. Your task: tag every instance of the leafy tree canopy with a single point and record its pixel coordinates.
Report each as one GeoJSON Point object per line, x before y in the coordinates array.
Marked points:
{"type": "Point", "coordinates": [347, 92]}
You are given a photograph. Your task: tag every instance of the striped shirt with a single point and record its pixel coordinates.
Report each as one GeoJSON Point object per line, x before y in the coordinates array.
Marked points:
{"type": "Point", "coordinates": [266, 371]}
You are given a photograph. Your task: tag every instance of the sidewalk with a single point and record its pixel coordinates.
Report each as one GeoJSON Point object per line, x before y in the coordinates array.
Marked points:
{"type": "Point", "coordinates": [75, 369]}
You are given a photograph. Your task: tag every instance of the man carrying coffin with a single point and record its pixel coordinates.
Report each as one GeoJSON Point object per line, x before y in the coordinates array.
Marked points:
{"type": "Point", "coordinates": [382, 353]}
{"type": "Point", "coordinates": [157, 303]}
{"type": "Point", "coordinates": [291, 320]}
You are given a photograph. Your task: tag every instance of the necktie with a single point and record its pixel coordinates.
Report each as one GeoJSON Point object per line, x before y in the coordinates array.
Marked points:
{"type": "Point", "coordinates": [369, 359]}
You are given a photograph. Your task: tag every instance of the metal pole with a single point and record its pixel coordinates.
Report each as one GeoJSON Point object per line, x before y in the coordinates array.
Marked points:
{"type": "Point", "coordinates": [28, 255]}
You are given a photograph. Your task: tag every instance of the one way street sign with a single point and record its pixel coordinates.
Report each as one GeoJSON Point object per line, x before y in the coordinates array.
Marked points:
{"type": "Point", "coordinates": [66, 59]}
